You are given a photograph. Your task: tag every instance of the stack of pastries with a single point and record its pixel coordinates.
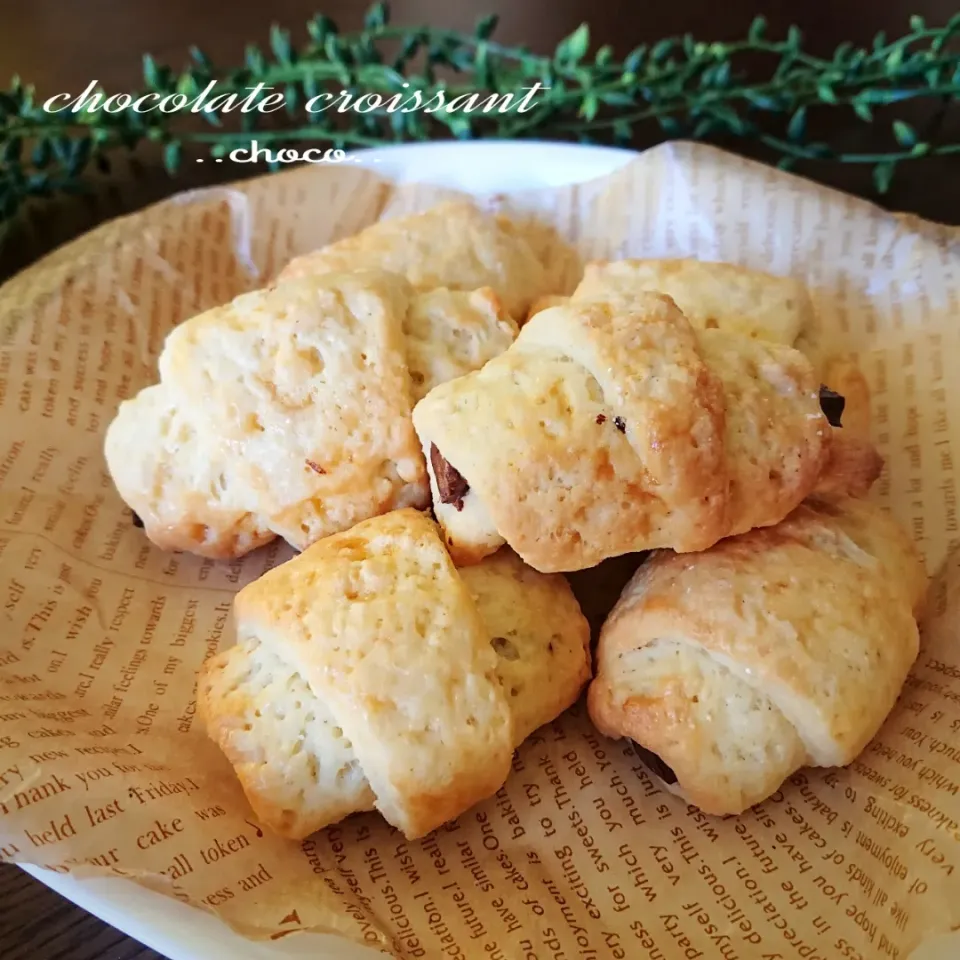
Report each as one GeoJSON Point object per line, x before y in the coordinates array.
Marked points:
{"type": "Point", "coordinates": [448, 412]}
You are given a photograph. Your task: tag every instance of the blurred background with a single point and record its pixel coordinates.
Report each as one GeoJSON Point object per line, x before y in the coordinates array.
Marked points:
{"type": "Point", "coordinates": [61, 45]}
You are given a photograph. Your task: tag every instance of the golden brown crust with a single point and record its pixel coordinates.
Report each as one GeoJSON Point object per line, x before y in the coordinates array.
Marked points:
{"type": "Point", "coordinates": [453, 244]}
{"type": "Point", "coordinates": [723, 296]}
{"type": "Point", "coordinates": [601, 432]}
{"type": "Point", "coordinates": [783, 647]}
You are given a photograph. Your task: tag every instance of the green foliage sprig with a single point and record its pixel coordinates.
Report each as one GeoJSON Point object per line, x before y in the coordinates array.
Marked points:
{"type": "Point", "coordinates": [691, 89]}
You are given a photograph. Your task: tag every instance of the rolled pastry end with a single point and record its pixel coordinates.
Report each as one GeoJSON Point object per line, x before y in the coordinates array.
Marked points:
{"type": "Point", "coordinates": [778, 649]}
{"type": "Point", "coordinates": [469, 533]}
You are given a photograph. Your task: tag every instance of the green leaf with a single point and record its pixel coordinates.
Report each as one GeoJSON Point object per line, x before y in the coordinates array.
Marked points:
{"type": "Point", "coordinates": [661, 50]}
{"type": "Point", "coordinates": [151, 75]}
{"type": "Point", "coordinates": [588, 107]}
{"type": "Point", "coordinates": [485, 26]}
{"type": "Point", "coordinates": [842, 51]}
{"type": "Point", "coordinates": [459, 126]}
{"type": "Point", "coordinates": [761, 101]}
{"type": "Point", "coordinates": [786, 163]}
{"type": "Point", "coordinates": [797, 126]}
{"type": "Point", "coordinates": [573, 48]}
{"type": "Point", "coordinates": [617, 98]}
{"type": "Point", "coordinates": [635, 59]}
{"type": "Point", "coordinates": [794, 38]}
{"type": "Point", "coordinates": [291, 99]}
{"type": "Point", "coordinates": [863, 111]}
{"type": "Point", "coordinates": [729, 118]}
{"type": "Point", "coordinates": [703, 129]}
{"type": "Point", "coordinates": [254, 59]}
{"type": "Point", "coordinates": [880, 41]}
{"type": "Point", "coordinates": [895, 59]}
{"type": "Point", "coordinates": [332, 48]}
{"type": "Point", "coordinates": [669, 126]}
{"type": "Point", "coordinates": [377, 17]}
{"type": "Point", "coordinates": [757, 29]}
{"type": "Point", "coordinates": [917, 23]}
{"type": "Point", "coordinates": [604, 56]}
{"type": "Point", "coordinates": [920, 150]}
{"type": "Point", "coordinates": [280, 44]}
{"type": "Point", "coordinates": [172, 155]}
{"type": "Point", "coordinates": [883, 175]}
{"type": "Point", "coordinates": [825, 93]}
{"type": "Point", "coordinates": [320, 27]}
{"type": "Point", "coordinates": [188, 85]}
{"type": "Point", "coordinates": [200, 58]}
{"type": "Point", "coordinates": [905, 135]}
{"type": "Point", "coordinates": [855, 63]}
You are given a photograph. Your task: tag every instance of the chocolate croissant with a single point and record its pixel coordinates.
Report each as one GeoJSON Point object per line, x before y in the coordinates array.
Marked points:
{"type": "Point", "coordinates": [455, 245]}
{"type": "Point", "coordinates": [782, 648]}
{"type": "Point", "coordinates": [602, 432]}
{"type": "Point", "coordinates": [369, 674]}
{"type": "Point", "coordinates": [287, 412]}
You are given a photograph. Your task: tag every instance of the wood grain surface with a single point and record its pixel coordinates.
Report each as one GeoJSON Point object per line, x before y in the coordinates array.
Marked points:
{"type": "Point", "coordinates": [60, 45]}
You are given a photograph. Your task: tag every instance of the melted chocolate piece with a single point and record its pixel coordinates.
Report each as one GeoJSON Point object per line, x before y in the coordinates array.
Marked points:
{"type": "Point", "coordinates": [832, 404]}
{"type": "Point", "coordinates": [654, 763]}
{"type": "Point", "coordinates": [137, 522]}
{"type": "Point", "coordinates": [620, 424]}
{"type": "Point", "coordinates": [601, 418]}
{"type": "Point", "coordinates": [453, 488]}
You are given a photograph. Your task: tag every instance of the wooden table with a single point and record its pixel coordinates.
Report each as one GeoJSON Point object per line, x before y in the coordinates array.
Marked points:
{"type": "Point", "coordinates": [60, 45]}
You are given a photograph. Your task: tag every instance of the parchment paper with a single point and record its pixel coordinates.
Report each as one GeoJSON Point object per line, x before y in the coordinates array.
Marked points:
{"type": "Point", "coordinates": [580, 855]}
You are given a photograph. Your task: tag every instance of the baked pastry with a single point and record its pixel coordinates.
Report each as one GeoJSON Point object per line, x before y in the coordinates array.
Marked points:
{"type": "Point", "coordinates": [602, 432]}
{"type": "Point", "coordinates": [782, 648]}
{"type": "Point", "coordinates": [370, 674]}
{"type": "Point", "coordinates": [452, 245]}
{"type": "Point", "coordinates": [288, 411]}
{"type": "Point", "coordinates": [720, 296]}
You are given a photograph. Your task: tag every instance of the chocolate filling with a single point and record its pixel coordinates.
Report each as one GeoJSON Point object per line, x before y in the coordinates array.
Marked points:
{"type": "Point", "coordinates": [137, 522]}
{"type": "Point", "coordinates": [832, 404]}
{"type": "Point", "coordinates": [453, 488]}
{"type": "Point", "coordinates": [654, 763]}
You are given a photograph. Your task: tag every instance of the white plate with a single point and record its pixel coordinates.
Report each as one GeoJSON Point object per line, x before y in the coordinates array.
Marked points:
{"type": "Point", "coordinates": [185, 933]}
